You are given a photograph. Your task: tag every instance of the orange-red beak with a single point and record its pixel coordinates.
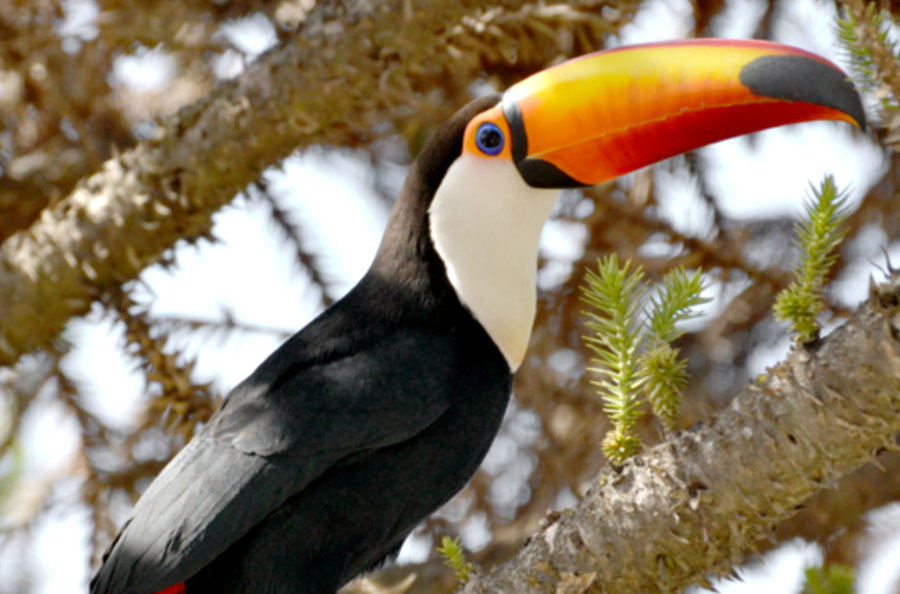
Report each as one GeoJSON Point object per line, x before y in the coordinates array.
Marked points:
{"type": "Point", "coordinates": [599, 116]}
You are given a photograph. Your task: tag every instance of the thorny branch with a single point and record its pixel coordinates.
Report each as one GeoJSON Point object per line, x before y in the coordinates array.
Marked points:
{"type": "Point", "coordinates": [711, 492]}
{"type": "Point", "coordinates": [398, 88]}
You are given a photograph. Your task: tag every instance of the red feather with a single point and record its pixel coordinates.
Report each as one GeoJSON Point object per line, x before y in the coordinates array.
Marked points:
{"type": "Point", "coordinates": [176, 589]}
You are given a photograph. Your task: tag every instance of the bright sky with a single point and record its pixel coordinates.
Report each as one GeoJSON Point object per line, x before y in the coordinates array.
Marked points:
{"type": "Point", "coordinates": [251, 273]}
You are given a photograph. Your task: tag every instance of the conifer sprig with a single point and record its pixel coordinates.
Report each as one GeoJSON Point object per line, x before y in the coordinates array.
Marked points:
{"type": "Point", "coordinates": [864, 63]}
{"type": "Point", "coordinates": [681, 293]}
{"type": "Point", "coordinates": [861, 60]}
{"type": "Point", "coordinates": [455, 558]}
{"type": "Point", "coordinates": [817, 239]}
{"type": "Point", "coordinates": [665, 376]}
{"type": "Point", "coordinates": [635, 360]}
{"type": "Point", "coordinates": [830, 579]}
{"type": "Point", "coordinates": [663, 372]}
{"type": "Point", "coordinates": [614, 292]}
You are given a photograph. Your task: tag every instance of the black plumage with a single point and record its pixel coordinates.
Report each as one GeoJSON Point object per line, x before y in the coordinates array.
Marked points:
{"type": "Point", "coordinates": [322, 461]}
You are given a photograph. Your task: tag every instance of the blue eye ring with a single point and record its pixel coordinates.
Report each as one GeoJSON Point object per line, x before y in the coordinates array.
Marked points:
{"type": "Point", "coordinates": [489, 139]}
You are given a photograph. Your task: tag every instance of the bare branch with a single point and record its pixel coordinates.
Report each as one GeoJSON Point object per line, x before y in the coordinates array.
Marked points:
{"type": "Point", "coordinates": [296, 236]}
{"type": "Point", "coordinates": [208, 328]}
{"type": "Point", "coordinates": [182, 402]}
{"type": "Point", "coordinates": [345, 71]}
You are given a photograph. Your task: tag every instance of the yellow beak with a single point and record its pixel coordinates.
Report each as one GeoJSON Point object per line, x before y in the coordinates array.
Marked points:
{"type": "Point", "coordinates": [596, 117]}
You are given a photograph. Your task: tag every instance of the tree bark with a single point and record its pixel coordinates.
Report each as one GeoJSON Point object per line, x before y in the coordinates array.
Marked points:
{"type": "Point", "coordinates": [694, 505]}
{"type": "Point", "coordinates": [347, 71]}
{"type": "Point", "coordinates": [127, 215]}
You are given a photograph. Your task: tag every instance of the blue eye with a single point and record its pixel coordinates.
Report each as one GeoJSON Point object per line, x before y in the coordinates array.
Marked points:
{"type": "Point", "coordinates": [489, 139]}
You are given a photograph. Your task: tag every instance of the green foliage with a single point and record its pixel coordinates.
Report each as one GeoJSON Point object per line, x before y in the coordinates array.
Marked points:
{"type": "Point", "coordinates": [862, 60]}
{"type": "Point", "coordinates": [635, 360]}
{"type": "Point", "coordinates": [680, 294]}
{"type": "Point", "coordinates": [615, 293]}
{"type": "Point", "coordinates": [817, 239]}
{"type": "Point", "coordinates": [455, 558]}
{"type": "Point", "coordinates": [664, 373]}
{"type": "Point", "coordinates": [665, 376]}
{"type": "Point", "coordinates": [835, 579]}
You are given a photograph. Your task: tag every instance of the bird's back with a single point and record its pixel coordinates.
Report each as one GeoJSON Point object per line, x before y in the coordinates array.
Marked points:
{"type": "Point", "coordinates": [359, 511]}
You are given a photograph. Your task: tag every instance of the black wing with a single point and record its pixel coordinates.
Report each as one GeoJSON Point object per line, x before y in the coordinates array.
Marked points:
{"type": "Point", "coordinates": [274, 435]}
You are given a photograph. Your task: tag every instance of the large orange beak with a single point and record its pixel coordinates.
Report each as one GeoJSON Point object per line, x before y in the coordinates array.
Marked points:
{"type": "Point", "coordinates": [599, 116]}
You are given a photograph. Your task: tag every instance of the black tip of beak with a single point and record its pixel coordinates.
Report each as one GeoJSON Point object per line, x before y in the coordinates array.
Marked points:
{"type": "Point", "coordinates": [797, 78]}
{"type": "Point", "coordinates": [537, 173]}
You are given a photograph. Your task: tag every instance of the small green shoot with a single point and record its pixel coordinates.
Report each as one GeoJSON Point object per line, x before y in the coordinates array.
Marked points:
{"type": "Point", "coordinates": [615, 293]}
{"type": "Point", "coordinates": [834, 579]}
{"type": "Point", "coordinates": [665, 374]}
{"type": "Point", "coordinates": [817, 239]}
{"type": "Point", "coordinates": [862, 61]}
{"type": "Point", "coordinates": [455, 558]}
{"type": "Point", "coordinates": [635, 360]}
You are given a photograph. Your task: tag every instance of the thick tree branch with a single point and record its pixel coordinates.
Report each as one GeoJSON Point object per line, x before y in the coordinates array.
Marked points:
{"type": "Point", "coordinates": [699, 501]}
{"type": "Point", "coordinates": [347, 71]}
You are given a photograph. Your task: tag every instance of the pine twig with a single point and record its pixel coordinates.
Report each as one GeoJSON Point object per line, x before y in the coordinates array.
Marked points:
{"type": "Point", "coordinates": [831, 579]}
{"type": "Point", "coordinates": [662, 371]}
{"type": "Point", "coordinates": [615, 293]}
{"type": "Point", "coordinates": [817, 239]}
{"type": "Point", "coordinates": [455, 558]}
{"type": "Point", "coordinates": [863, 32]}
{"type": "Point", "coordinates": [635, 359]}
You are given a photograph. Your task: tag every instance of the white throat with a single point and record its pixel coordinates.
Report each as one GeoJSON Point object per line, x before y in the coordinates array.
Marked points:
{"type": "Point", "coordinates": [486, 226]}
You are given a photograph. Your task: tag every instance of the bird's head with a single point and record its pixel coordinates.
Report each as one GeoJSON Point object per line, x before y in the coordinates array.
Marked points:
{"type": "Point", "coordinates": [494, 170]}
{"type": "Point", "coordinates": [594, 118]}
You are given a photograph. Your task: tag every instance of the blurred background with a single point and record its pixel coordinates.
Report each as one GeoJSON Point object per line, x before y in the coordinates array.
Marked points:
{"type": "Point", "coordinates": [86, 423]}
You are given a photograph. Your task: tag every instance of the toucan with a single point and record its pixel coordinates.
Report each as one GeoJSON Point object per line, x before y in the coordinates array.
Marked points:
{"type": "Point", "coordinates": [325, 458]}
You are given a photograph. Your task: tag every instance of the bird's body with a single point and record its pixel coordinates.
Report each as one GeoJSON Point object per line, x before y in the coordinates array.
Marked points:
{"type": "Point", "coordinates": [413, 382]}
{"type": "Point", "coordinates": [446, 408]}
{"type": "Point", "coordinates": [320, 463]}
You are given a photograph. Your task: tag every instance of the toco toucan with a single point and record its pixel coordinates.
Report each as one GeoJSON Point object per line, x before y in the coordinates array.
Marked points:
{"type": "Point", "coordinates": [322, 461]}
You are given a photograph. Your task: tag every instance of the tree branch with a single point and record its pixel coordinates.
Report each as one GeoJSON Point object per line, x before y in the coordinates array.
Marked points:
{"type": "Point", "coordinates": [701, 500]}
{"type": "Point", "coordinates": [345, 72]}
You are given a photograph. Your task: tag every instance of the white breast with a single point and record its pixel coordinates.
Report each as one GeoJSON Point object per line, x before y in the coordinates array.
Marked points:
{"type": "Point", "coordinates": [486, 226]}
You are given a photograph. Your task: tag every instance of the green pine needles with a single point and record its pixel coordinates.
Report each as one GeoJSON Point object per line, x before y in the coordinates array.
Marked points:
{"type": "Point", "coordinates": [863, 60]}
{"type": "Point", "coordinates": [817, 239]}
{"type": "Point", "coordinates": [632, 340]}
{"type": "Point", "coordinates": [455, 558]}
{"type": "Point", "coordinates": [634, 325]}
{"type": "Point", "coordinates": [831, 579]}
